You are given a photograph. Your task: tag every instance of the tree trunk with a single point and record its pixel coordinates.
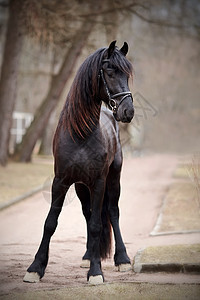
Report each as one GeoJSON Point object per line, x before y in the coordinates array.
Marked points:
{"type": "Point", "coordinates": [9, 72]}
{"type": "Point", "coordinates": [24, 150]}
{"type": "Point", "coordinates": [111, 20]}
{"type": "Point", "coordinates": [47, 137]}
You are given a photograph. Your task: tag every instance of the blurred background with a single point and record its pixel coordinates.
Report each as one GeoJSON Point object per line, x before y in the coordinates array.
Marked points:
{"type": "Point", "coordinates": [42, 43]}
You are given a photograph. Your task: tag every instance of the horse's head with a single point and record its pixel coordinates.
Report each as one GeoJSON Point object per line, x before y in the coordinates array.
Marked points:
{"type": "Point", "coordinates": [114, 74]}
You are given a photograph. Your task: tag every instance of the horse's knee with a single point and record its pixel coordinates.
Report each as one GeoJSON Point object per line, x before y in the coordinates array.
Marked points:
{"type": "Point", "coordinates": [95, 229]}
{"type": "Point", "coordinates": [59, 190]}
{"type": "Point", "coordinates": [51, 221]}
{"type": "Point", "coordinates": [50, 227]}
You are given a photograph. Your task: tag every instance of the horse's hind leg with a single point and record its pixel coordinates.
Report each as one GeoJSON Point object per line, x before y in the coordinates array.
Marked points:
{"type": "Point", "coordinates": [37, 269]}
{"type": "Point", "coordinates": [84, 195]}
{"type": "Point", "coordinates": [121, 258]}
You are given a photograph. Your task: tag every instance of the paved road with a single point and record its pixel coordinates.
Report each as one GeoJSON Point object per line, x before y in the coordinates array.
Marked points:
{"type": "Point", "coordinates": [144, 184]}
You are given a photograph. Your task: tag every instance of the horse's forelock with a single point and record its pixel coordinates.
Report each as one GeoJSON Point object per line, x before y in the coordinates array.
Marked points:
{"type": "Point", "coordinates": [119, 61]}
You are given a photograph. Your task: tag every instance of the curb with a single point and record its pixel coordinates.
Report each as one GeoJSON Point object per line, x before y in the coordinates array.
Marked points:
{"type": "Point", "coordinates": [154, 233]}
{"type": "Point", "coordinates": [167, 268]}
{"type": "Point", "coordinates": [140, 267]}
{"type": "Point", "coordinates": [20, 198]}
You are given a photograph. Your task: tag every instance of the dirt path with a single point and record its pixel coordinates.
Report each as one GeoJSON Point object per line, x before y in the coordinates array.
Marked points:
{"type": "Point", "coordinates": [144, 183]}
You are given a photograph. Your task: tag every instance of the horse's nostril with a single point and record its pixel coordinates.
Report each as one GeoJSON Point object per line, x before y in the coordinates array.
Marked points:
{"type": "Point", "coordinates": [128, 115]}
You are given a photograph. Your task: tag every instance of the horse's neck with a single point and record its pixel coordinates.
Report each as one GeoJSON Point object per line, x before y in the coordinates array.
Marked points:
{"type": "Point", "coordinates": [91, 129]}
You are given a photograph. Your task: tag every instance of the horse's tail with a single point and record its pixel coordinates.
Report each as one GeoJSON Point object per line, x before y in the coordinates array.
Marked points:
{"type": "Point", "coordinates": [106, 234]}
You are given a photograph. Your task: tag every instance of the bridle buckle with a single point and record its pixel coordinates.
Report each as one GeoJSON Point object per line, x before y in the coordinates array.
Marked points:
{"type": "Point", "coordinates": [113, 105]}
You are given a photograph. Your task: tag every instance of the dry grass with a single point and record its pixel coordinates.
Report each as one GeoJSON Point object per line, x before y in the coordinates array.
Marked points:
{"type": "Point", "coordinates": [171, 254]}
{"type": "Point", "coordinates": [142, 291]}
{"type": "Point", "coordinates": [180, 212]}
{"type": "Point", "coordinates": [19, 178]}
{"type": "Point", "coordinates": [194, 174]}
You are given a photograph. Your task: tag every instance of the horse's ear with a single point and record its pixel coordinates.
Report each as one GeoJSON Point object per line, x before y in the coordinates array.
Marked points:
{"type": "Point", "coordinates": [124, 49]}
{"type": "Point", "coordinates": [111, 48]}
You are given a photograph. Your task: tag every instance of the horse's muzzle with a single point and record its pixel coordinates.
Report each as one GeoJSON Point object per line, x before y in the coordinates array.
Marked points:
{"type": "Point", "coordinates": [124, 116]}
{"type": "Point", "coordinates": [128, 115]}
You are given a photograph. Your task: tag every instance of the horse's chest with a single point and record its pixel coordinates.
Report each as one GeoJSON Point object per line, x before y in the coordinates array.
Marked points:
{"type": "Point", "coordinates": [86, 167]}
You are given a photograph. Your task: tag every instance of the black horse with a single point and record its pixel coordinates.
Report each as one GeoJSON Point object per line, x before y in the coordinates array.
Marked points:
{"type": "Point", "coordinates": [87, 152]}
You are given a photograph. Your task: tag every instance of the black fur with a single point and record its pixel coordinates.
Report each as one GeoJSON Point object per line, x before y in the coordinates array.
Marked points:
{"type": "Point", "coordinates": [87, 152]}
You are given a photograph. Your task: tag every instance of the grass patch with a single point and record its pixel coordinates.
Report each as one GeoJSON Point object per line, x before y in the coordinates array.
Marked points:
{"type": "Point", "coordinates": [143, 291]}
{"type": "Point", "coordinates": [170, 254]}
{"type": "Point", "coordinates": [182, 171]}
{"type": "Point", "coordinates": [19, 178]}
{"type": "Point", "coordinates": [181, 211]}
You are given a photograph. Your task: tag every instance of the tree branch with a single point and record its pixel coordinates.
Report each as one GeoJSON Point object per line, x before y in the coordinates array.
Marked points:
{"type": "Point", "coordinates": [4, 3]}
{"type": "Point", "coordinates": [111, 10]}
{"type": "Point", "coordinates": [157, 22]}
{"type": "Point", "coordinates": [130, 8]}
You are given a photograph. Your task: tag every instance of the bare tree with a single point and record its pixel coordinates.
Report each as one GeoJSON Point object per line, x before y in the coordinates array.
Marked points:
{"type": "Point", "coordinates": [52, 25]}
{"type": "Point", "coordinates": [79, 38]}
{"type": "Point", "coordinates": [62, 22]}
{"type": "Point", "coordinates": [24, 150]}
{"type": "Point", "coordinates": [111, 22]}
{"type": "Point", "coordinates": [9, 72]}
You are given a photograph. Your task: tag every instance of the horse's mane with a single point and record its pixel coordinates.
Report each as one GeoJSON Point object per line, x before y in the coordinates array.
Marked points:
{"type": "Point", "coordinates": [82, 106]}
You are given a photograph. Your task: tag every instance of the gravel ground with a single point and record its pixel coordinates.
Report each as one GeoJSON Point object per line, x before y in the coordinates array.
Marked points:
{"type": "Point", "coordinates": [145, 183]}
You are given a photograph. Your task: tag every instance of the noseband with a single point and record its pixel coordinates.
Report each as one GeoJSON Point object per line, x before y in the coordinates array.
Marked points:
{"type": "Point", "coordinates": [113, 105]}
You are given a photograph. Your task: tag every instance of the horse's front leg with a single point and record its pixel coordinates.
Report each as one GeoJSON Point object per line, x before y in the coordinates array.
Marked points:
{"type": "Point", "coordinates": [37, 269]}
{"type": "Point", "coordinates": [95, 275]}
{"type": "Point", "coordinates": [84, 195]}
{"type": "Point", "coordinates": [121, 258]}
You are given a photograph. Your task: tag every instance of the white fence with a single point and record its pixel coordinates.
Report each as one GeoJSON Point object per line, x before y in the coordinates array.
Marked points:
{"type": "Point", "coordinates": [21, 122]}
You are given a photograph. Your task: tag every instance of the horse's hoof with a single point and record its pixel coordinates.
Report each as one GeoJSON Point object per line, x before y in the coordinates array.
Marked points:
{"type": "Point", "coordinates": [98, 279]}
{"type": "Point", "coordinates": [124, 268]}
{"type": "Point", "coordinates": [85, 263]}
{"type": "Point", "coordinates": [31, 277]}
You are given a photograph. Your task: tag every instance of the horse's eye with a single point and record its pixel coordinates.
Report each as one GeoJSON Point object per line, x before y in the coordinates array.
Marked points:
{"type": "Point", "coordinates": [110, 71]}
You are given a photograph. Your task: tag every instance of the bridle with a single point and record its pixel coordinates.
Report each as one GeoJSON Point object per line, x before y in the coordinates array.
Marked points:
{"type": "Point", "coordinates": [112, 104]}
